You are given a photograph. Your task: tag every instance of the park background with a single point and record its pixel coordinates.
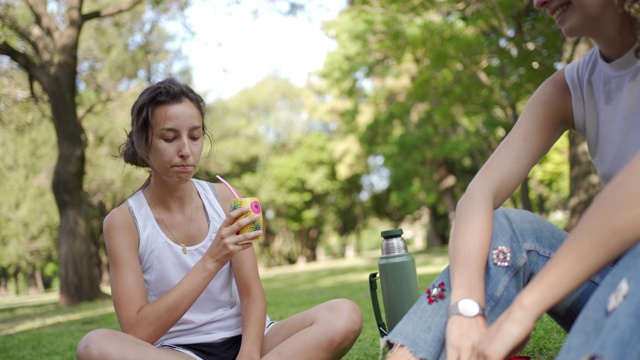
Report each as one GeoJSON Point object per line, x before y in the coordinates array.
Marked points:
{"type": "Point", "coordinates": [406, 106]}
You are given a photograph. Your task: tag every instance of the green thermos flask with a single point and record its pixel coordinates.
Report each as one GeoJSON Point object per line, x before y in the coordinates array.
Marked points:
{"type": "Point", "coordinates": [398, 279]}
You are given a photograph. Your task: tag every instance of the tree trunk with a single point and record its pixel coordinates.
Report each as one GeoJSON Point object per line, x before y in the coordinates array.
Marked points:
{"type": "Point", "coordinates": [434, 237]}
{"type": "Point", "coordinates": [584, 183]}
{"type": "Point", "coordinates": [52, 61]}
{"type": "Point", "coordinates": [4, 283]}
{"type": "Point", "coordinates": [525, 195]}
{"type": "Point", "coordinates": [78, 280]}
{"type": "Point", "coordinates": [16, 280]}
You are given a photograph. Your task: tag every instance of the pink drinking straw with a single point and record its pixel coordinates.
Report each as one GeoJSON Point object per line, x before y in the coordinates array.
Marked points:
{"type": "Point", "coordinates": [228, 186]}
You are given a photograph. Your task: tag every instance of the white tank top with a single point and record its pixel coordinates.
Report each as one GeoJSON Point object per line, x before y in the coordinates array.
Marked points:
{"type": "Point", "coordinates": [216, 315]}
{"type": "Point", "coordinates": [606, 108]}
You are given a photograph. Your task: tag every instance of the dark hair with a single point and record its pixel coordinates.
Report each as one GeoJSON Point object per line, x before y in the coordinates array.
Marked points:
{"type": "Point", "coordinates": [135, 150]}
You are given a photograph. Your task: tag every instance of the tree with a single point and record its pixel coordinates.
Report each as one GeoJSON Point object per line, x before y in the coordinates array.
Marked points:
{"type": "Point", "coordinates": [433, 87]}
{"type": "Point", "coordinates": [28, 217]}
{"type": "Point", "coordinates": [268, 145]}
{"type": "Point", "coordinates": [44, 38]}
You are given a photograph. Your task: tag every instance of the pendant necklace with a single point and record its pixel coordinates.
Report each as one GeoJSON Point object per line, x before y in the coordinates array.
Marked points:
{"type": "Point", "coordinates": [184, 247]}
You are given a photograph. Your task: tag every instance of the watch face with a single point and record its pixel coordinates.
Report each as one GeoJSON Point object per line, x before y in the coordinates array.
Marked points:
{"type": "Point", "coordinates": [468, 307]}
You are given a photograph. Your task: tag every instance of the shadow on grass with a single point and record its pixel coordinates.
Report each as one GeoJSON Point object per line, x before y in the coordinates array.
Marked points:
{"type": "Point", "coordinates": [51, 331]}
{"type": "Point", "coordinates": [12, 307]}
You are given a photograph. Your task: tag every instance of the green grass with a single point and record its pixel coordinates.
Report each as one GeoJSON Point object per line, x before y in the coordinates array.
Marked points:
{"type": "Point", "coordinates": [35, 327]}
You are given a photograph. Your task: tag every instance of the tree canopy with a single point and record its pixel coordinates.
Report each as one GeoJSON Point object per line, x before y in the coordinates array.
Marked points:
{"type": "Point", "coordinates": [430, 88]}
{"type": "Point", "coordinates": [75, 75]}
{"type": "Point", "coordinates": [409, 105]}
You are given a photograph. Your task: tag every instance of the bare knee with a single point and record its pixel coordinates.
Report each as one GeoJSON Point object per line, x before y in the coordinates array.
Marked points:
{"type": "Point", "coordinates": [94, 345]}
{"type": "Point", "coordinates": [346, 319]}
{"type": "Point", "coordinates": [399, 352]}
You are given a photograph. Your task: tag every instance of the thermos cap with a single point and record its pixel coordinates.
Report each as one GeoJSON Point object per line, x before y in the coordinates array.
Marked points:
{"type": "Point", "coordinates": [391, 233]}
{"type": "Point", "coordinates": [393, 243]}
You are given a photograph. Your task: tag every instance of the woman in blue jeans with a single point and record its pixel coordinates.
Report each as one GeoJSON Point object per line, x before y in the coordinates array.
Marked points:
{"type": "Point", "coordinates": [508, 267]}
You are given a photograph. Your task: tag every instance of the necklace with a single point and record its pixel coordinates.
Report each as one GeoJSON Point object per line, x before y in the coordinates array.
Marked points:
{"type": "Point", "coordinates": [184, 247]}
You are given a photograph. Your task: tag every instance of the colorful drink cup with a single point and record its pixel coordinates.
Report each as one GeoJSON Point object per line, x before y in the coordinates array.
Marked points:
{"type": "Point", "coordinates": [251, 202]}
{"type": "Point", "coordinates": [254, 205]}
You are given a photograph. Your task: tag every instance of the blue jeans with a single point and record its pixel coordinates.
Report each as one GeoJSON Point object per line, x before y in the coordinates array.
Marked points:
{"type": "Point", "coordinates": [609, 325]}
{"type": "Point", "coordinates": [532, 241]}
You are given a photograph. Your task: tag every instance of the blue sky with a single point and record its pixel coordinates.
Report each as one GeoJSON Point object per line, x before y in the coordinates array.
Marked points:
{"type": "Point", "coordinates": [234, 48]}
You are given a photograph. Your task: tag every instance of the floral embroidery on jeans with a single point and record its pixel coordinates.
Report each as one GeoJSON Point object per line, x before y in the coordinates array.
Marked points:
{"type": "Point", "coordinates": [436, 292]}
{"type": "Point", "coordinates": [501, 256]}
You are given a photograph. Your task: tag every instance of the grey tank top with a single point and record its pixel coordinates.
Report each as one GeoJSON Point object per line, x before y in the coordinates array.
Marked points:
{"type": "Point", "coordinates": [606, 108]}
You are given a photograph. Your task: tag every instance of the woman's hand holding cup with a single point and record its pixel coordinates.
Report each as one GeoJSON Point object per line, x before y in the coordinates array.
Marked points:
{"type": "Point", "coordinates": [236, 234]}
{"type": "Point", "coordinates": [254, 209]}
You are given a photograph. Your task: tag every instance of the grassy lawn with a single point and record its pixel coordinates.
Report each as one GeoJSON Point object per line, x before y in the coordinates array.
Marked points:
{"type": "Point", "coordinates": [35, 327]}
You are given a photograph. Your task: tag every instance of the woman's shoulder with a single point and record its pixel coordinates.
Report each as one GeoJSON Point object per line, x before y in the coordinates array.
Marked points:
{"type": "Point", "coordinates": [120, 230]}
{"type": "Point", "coordinates": [556, 87]}
{"type": "Point", "coordinates": [218, 191]}
{"type": "Point", "coordinates": [119, 217]}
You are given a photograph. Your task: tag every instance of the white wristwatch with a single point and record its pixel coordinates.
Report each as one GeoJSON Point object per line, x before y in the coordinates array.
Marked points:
{"type": "Point", "coordinates": [465, 307]}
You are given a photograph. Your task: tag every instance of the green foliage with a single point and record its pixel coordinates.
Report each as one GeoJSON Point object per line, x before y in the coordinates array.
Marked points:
{"type": "Point", "coordinates": [432, 87]}
{"type": "Point", "coordinates": [28, 214]}
{"type": "Point", "coordinates": [407, 108]}
{"type": "Point", "coordinates": [550, 178]}
{"type": "Point", "coordinates": [116, 56]}
{"type": "Point", "coordinates": [108, 179]}
{"type": "Point", "coordinates": [267, 145]}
